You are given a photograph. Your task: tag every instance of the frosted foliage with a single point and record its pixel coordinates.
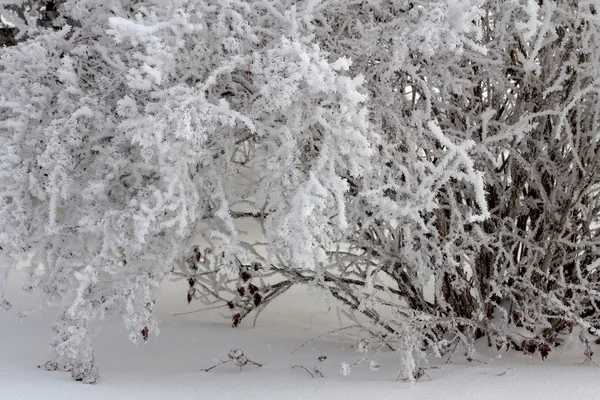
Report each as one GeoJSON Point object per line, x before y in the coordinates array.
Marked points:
{"type": "Point", "coordinates": [120, 131]}
{"type": "Point", "coordinates": [478, 218]}
{"type": "Point", "coordinates": [483, 219]}
{"type": "Point", "coordinates": [431, 166]}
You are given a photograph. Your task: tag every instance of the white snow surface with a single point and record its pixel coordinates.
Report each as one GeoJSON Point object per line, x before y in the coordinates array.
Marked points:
{"type": "Point", "coordinates": [169, 366]}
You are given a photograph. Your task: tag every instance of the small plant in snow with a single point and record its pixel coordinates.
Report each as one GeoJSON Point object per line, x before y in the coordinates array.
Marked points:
{"type": "Point", "coordinates": [345, 369]}
{"type": "Point", "coordinates": [368, 353]}
{"type": "Point", "coordinates": [237, 357]}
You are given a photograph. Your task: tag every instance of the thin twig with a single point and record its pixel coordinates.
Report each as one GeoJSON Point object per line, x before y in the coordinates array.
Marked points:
{"type": "Point", "coordinates": [452, 351]}
{"type": "Point", "coordinates": [254, 363]}
{"type": "Point", "coordinates": [303, 367]}
{"type": "Point", "coordinates": [324, 334]}
{"type": "Point", "coordinates": [200, 309]}
{"type": "Point", "coordinates": [504, 373]}
{"type": "Point", "coordinates": [216, 365]}
{"type": "Point", "coordinates": [474, 360]}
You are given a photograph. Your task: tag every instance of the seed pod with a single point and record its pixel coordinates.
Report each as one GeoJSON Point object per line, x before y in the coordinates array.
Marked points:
{"type": "Point", "coordinates": [544, 350]}
{"type": "Point", "coordinates": [191, 262]}
{"type": "Point", "coordinates": [529, 347]}
{"type": "Point", "coordinates": [245, 275]}
{"type": "Point", "coordinates": [144, 333]}
{"type": "Point", "coordinates": [236, 320]}
{"type": "Point", "coordinates": [257, 299]}
{"type": "Point", "coordinates": [252, 289]}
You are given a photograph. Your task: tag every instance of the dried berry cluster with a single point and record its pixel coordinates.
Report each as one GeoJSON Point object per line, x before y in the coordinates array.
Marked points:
{"type": "Point", "coordinates": [242, 295]}
{"type": "Point", "coordinates": [248, 295]}
{"type": "Point", "coordinates": [531, 346]}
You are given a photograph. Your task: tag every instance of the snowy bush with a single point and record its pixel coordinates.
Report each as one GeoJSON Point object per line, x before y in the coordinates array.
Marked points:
{"type": "Point", "coordinates": [432, 166]}
{"type": "Point", "coordinates": [121, 133]}
{"type": "Point", "coordinates": [480, 215]}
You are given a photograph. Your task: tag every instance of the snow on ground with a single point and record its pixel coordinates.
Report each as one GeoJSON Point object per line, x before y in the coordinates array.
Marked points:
{"type": "Point", "coordinates": [170, 365]}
